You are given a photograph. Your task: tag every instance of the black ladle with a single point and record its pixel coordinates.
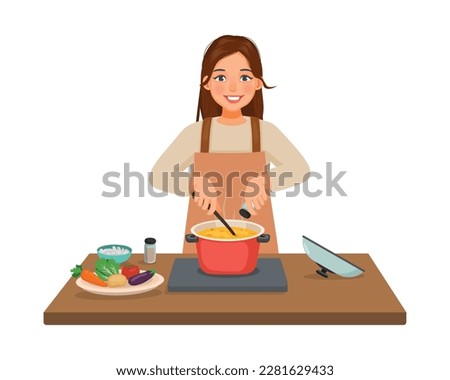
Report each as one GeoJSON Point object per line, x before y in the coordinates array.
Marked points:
{"type": "Point", "coordinates": [218, 216]}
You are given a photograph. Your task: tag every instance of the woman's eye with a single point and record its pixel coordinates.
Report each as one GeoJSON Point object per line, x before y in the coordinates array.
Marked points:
{"type": "Point", "coordinates": [245, 78]}
{"type": "Point", "coordinates": [220, 78]}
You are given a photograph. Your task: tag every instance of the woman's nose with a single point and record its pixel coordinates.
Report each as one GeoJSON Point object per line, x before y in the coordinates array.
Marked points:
{"type": "Point", "coordinates": [232, 85]}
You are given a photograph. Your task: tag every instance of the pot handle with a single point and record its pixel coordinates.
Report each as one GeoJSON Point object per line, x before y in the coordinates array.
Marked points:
{"type": "Point", "coordinates": [191, 238]}
{"type": "Point", "coordinates": [263, 238]}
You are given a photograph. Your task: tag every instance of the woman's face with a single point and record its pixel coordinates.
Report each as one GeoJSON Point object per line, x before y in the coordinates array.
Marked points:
{"type": "Point", "coordinates": [232, 84]}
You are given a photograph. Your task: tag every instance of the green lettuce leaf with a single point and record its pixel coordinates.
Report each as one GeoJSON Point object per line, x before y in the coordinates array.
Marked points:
{"type": "Point", "coordinates": [105, 268]}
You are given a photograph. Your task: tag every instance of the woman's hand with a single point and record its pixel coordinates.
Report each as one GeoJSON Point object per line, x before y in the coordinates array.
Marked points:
{"type": "Point", "coordinates": [255, 194]}
{"type": "Point", "coordinates": [205, 194]}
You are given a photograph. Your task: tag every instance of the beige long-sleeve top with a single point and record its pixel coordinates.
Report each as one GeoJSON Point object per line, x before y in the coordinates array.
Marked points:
{"type": "Point", "coordinates": [280, 152]}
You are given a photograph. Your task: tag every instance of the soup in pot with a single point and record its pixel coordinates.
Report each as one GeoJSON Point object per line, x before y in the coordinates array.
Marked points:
{"type": "Point", "coordinates": [223, 233]}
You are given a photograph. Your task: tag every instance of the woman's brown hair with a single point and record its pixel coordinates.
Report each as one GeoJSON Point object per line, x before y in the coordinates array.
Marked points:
{"type": "Point", "coordinates": [220, 48]}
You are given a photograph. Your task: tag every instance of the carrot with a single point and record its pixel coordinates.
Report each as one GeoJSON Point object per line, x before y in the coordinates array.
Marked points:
{"type": "Point", "coordinates": [87, 276]}
{"type": "Point", "coordinates": [91, 277]}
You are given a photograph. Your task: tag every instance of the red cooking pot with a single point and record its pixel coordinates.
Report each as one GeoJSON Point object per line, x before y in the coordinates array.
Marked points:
{"type": "Point", "coordinates": [227, 256]}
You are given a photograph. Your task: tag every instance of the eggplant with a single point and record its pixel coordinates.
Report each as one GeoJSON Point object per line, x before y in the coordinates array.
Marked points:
{"type": "Point", "coordinates": [141, 277]}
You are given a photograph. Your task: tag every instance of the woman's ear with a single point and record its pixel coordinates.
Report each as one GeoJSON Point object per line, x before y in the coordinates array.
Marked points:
{"type": "Point", "coordinates": [259, 84]}
{"type": "Point", "coordinates": [206, 86]}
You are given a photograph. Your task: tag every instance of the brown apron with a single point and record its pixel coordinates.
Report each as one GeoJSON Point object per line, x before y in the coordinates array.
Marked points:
{"type": "Point", "coordinates": [231, 168]}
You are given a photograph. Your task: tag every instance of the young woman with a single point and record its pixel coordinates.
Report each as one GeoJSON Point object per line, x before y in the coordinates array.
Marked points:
{"type": "Point", "coordinates": [229, 151]}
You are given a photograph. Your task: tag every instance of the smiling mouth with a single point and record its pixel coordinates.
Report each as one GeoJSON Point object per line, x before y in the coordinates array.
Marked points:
{"type": "Point", "coordinates": [233, 99]}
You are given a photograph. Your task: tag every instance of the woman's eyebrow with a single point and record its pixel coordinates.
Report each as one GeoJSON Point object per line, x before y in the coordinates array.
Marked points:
{"type": "Point", "coordinates": [218, 70]}
{"type": "Point", "coordinates": [246, 70]}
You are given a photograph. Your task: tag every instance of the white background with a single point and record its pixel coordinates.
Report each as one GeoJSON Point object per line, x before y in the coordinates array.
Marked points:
{"type": "Point", "coordinates": [86, 86]}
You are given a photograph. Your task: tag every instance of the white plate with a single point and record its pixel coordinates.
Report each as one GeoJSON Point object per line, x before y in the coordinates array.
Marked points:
{"type": "Point", "coordinates": [125, 290]}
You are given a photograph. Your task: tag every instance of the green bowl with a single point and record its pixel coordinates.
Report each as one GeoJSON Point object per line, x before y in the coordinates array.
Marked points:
{"type": "Point", "coordinates": [117, 258]}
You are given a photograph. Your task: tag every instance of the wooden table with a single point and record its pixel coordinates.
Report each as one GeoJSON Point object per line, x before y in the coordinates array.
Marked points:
{"type": "Point", "coordinates": [310, 299]}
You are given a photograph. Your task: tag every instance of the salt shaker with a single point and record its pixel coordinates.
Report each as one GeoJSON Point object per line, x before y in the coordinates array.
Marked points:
{"type": "Point", "coordinates": [150, 250]}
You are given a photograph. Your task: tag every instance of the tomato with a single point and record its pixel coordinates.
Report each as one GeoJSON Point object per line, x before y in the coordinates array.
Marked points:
{"type": "Point", "coordinates": [130, 270]}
